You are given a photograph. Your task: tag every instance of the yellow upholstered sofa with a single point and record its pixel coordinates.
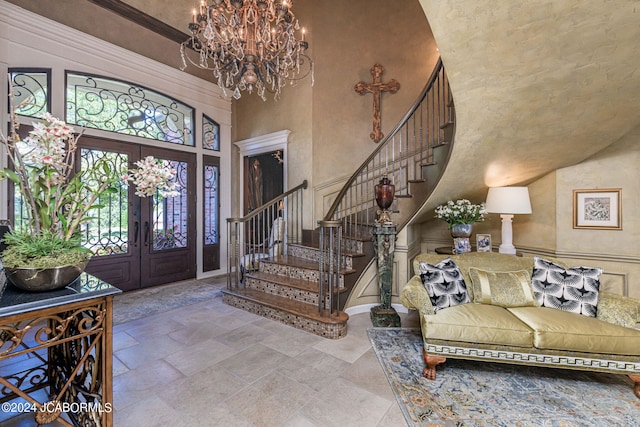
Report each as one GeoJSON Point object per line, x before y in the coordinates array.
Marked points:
{"type": "Point", "coordinates": [501, 319]}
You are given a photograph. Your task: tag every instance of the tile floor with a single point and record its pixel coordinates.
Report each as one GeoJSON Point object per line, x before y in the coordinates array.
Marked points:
{"type": "Point", "coordinates": [210, 364]}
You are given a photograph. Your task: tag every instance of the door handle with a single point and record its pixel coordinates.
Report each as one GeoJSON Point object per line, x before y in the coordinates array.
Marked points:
{"type": "Point", "coordinates": [136, 231]}
{"type": "Point", "coordinates": [146, 233]}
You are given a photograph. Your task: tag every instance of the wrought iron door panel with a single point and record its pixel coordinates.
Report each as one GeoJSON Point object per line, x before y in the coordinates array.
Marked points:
{"type": "Point", "coordinates": [113, 234]}
{"type": "Point", "coordinates": [168, 250]}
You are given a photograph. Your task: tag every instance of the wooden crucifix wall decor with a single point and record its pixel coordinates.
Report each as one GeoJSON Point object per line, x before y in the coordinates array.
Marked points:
{"type": "Point", "coordinates": [376, 88]}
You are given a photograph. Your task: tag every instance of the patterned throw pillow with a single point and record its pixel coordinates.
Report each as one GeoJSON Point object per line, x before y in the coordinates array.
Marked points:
{"type": "Point", "coordinates": [444, 283]}
{"type": "Point", "coordinates": [502, 288]}
{"type": "Point", "coordinates": [575, 289]}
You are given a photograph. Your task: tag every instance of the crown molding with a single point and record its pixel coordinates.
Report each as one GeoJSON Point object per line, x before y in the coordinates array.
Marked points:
{"type": "Point", "coordinates": [264, 143]}
{"type": "Point", "coordinates": [144, 20]}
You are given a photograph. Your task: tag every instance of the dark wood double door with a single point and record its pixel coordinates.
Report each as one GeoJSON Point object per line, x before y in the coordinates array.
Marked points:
{"type": "Point", "coordinates": [140, 242]}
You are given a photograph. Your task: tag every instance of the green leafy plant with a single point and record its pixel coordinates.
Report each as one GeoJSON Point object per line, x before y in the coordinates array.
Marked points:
{"type": "Point", "coordinates": [45, 250]}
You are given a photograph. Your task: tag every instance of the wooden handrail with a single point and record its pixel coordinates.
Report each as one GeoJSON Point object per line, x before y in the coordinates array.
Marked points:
{"type": "Point", "coordinates": [266, 205]}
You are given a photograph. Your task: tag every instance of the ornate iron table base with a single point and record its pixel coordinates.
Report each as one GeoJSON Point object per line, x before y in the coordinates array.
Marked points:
{"type": "Point", "coordinates": [69, 333]}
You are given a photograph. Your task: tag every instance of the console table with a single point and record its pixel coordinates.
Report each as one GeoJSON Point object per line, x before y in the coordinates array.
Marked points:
{"type": "Point", "coordinates": [63, 341]}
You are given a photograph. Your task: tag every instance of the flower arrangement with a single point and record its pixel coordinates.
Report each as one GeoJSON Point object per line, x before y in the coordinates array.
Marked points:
{"type": "Point", "coordinates": [460, 212]}
{"type": "Point", "coordinates": [59, 199]}
{"type": "Point", "coordinates": [151, 176]}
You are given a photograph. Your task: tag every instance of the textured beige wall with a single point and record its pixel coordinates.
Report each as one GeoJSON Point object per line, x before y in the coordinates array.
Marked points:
{"type": "Point", "coordinates": [538, 230]}
{"type": "Point", "coordinates": [617, 251]}
{"type": "Point", "coordinates": [354, 36]}
{"type": "Point", "coordinates": [615, 167]}
{"type": "Point", "coordinates": [177, 13]}
{"type": "Point", "coordinates": [330, 122]}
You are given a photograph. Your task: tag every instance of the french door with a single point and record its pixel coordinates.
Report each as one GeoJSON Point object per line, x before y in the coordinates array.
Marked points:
{"type": "Point", "coordinates": [140, 242]}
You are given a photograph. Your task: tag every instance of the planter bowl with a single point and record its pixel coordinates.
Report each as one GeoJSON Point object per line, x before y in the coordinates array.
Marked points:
{"type": "Point", "coordinates": [44, 279]}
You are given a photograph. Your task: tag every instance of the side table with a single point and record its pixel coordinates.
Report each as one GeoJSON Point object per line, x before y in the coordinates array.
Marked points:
{"type": "Point", "coordinates": [67, 336]}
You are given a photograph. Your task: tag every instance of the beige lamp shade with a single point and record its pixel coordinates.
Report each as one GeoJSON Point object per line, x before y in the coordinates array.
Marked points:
{"type": "Point", "coordinates": [508, 200]}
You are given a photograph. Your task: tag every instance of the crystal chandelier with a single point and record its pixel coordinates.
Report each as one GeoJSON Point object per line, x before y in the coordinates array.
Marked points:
{"type": "Point", "coordinates": [248, 44]}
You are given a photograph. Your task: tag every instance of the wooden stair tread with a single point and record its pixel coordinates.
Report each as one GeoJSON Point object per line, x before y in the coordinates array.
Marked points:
{"type": "Point", "coordinates": [298, 308]}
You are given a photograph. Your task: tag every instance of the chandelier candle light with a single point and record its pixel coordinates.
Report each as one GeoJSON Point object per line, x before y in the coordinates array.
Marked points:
{"type": "Point", "coordinates": [248, 44]}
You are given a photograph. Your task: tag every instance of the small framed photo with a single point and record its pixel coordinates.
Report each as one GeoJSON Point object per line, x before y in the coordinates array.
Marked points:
{"type": "Point", "coordinates": [483, 242]}
{"type": "Point", "coordinates": [461, 245]}
{"type": "Point", "coordinates": [598, 209]}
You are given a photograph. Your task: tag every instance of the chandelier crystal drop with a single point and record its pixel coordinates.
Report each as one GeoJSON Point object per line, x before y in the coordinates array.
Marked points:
{"type": "Point", "coordinates": [248, 44]}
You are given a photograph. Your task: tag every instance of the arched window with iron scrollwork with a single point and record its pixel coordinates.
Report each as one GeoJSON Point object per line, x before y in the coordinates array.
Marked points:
{"type": "Point", "coordinates": [121, 107]}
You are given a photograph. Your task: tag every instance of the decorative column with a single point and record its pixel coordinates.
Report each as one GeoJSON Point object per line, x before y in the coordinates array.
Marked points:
{"type": "Point", "coordinates": [384, 240]}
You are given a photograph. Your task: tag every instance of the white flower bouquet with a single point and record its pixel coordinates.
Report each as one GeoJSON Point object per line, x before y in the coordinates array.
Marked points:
{"type": "Point", "coordinates": [460, 212]}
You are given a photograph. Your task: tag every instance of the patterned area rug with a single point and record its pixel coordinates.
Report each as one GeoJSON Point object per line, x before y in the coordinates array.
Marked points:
{"type": "Point", "coordinates": [136, 304]}
{"type": "Point", "coordinates": [468, 393]}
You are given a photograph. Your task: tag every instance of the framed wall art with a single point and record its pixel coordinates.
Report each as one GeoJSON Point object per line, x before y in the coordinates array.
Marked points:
{"type": "Point", "coordinates": [598, 209]}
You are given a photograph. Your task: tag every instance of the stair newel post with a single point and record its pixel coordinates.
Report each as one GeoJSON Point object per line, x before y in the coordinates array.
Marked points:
{"type": "Point", "coordinates": [329, 265]}
{"type": "Point", "coordinates": [233, 253]}
{"type": "Point", "coordinates": [321, 273]}
{"type": "Point", "coordinates": [338, 263]}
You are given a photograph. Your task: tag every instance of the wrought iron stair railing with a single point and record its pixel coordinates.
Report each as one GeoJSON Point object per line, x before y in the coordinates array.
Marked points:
{"type": "Point", "coordinates": [264, 232]}
{"type": "Point", "coordinates": [401, 155]}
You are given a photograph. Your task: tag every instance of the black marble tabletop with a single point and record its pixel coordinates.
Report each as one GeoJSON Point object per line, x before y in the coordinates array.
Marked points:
{"type": "Point", "coordinates": [16, 301]}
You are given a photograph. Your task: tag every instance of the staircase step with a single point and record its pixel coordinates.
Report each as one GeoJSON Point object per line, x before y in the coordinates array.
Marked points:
{"type": "Point", "coordinates": [287, 287]}
{"type": "Point", "coordinates": [416, 181]}
{"type": "Point", "coordinates": [311, 252]}
{"type": "Point", "coordinates": [293, 313]}
{"type": "Point", "coordinates": [291, 282]}
{"type": "Point", "coordinates": [298, 262]}
{"type": "Point", "coordinates": [316, 246]}
{"type": "Point", "coordinates": [298, 268]}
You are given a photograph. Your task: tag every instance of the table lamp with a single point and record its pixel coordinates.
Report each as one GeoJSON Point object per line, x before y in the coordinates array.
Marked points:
{"type": "Point", "coordinates": [508, 201]}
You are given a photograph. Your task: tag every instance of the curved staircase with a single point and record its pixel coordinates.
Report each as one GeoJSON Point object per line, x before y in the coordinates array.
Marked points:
{"type": "Point", "coordinates": [306, 286]}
